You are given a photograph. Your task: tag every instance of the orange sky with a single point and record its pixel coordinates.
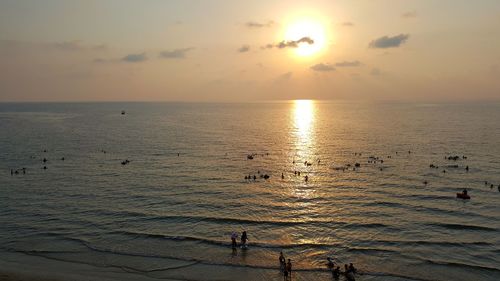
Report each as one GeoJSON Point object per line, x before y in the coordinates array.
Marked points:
{"type": "Point", "coordinates": [118, 50]}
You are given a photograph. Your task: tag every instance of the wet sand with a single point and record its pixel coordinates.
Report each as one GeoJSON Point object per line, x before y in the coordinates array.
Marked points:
{"type": "Point", "coordinates": [22, 267]}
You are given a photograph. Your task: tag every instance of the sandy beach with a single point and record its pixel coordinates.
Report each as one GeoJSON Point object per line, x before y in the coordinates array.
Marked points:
{"type": "Point", "coordinates": [22, 267]}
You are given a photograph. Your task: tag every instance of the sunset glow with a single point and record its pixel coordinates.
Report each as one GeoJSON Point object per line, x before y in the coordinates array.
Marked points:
{"type": "Point", "coordinates": [307, 28]}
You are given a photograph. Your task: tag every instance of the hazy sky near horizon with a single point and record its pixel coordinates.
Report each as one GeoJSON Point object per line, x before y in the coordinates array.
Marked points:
{"type": "Point", "coordinates": [131, 50]}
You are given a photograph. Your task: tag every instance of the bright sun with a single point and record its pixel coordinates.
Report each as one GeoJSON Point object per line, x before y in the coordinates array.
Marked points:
{"type": "Point", "coordinates": [306, 28]}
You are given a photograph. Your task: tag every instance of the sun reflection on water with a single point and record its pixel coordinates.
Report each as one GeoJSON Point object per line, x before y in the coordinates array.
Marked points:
{"type": "Point", "coordinates": [303, 120]}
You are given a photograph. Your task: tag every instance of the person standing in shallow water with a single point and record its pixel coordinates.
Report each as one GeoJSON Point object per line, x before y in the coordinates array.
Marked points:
{"type": "Point", "coordinates": [282, 262]}
{"type": "Point", "coordinates": [233, 240]}
{"type": "Point", "coordinates": [244, 239]}
{"type": "Point", "coordinates": [289, 268]}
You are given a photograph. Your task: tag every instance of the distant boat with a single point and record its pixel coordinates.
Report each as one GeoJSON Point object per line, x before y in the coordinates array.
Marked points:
{"type": "Point", "coordinates": [123, 112]}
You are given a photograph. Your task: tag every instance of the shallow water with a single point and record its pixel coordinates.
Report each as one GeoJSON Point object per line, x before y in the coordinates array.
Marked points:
{"type": "Point", "coordinates": [169, 208]}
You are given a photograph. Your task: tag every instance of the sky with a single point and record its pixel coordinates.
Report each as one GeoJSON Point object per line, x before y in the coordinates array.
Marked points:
{"type": "Point", "coordinates": [246, 51]}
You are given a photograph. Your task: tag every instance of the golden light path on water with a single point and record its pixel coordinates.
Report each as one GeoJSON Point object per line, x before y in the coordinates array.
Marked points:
{"type": "Point", "coordinates": [304, 121]}
{"type": "Point", "coordinates": [303, 134]}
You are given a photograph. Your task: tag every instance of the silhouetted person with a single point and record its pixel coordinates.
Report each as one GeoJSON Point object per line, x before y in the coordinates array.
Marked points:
{"type": "Point", "coordinates": [464, 192]}
{"type": "Point", "coordinates": [233, 240]}
{"type": "Point", "coordinates": [353, 269]}
{"type": "Point", "coordinates": [282, 176]}
{"type": "Point", "coordinates": [282, 261]}
{"type": "Point", "coordinates": [330, 263]}
{"type": "Point", "coordinates": [289, 268]}
{"type": "Point", "coordinates": [336, 272]}
{"type": "Point", "coordinates": [306, 178]}
{"type": "Point", "coordinates": [244, 239]}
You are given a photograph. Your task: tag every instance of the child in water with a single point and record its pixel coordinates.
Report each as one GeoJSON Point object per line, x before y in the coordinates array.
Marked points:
{"type": "Point", "coordinates": [233, 240]}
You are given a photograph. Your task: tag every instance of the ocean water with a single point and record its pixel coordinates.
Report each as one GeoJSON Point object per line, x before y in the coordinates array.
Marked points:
{"type": "Point", "coordinates": [176, 203]}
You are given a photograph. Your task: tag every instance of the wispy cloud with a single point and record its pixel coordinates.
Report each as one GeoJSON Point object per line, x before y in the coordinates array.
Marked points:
{"type": "Point", "coordinates": [409, 14]}
{"type": "Point", "coordinates": [254, 24]}
{"type": "Point", "coordinates": [175, 54]}
{"type": "Point", "coordinates": [353, 63]}
{"type": "Point", "coordinates": [133, 58]}
{"type": "Point", "coordinates": [376, 71]}
{"type": "Point", "coordinates": [389, 42]}
{"type": "Point", "coordinates": [244, 49]}
{"type": "Point", "coordinates": [290, 44]}
{"type": "Point", "coordinates": [76, 45]}
{"type": "Point", "coordinates": [285, 77]}
{"type": "Point", "coordinates": [323, 67]}
{"type": "Point", "coordinates": [347, 24]}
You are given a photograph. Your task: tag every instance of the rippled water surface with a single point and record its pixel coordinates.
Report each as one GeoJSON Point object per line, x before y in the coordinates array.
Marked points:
{"type": "Point", "coordinates": [184, 190]}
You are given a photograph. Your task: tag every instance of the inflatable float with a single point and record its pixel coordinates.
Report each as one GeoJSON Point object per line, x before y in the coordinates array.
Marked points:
{"type": "Point", "coordinates": [463, 196]}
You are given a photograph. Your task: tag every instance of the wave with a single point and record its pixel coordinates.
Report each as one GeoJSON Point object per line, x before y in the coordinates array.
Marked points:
{"type": "Point", "coordinates": [232, 220]}
{"type": "Point", "coordinates": [455, 226]}
{"type": "Point", "coordinates": [192, 262]}
{"type": "Point", "coordinates": [220, 242]}
{"type": "Point", "coordinates": [462, 265]}
{"type": "Point", "coordinates": [371, 250]}
{"type": "Point", "coordinates": [433, 243]}
{"type": "Point", "coordinates": [385, 204]}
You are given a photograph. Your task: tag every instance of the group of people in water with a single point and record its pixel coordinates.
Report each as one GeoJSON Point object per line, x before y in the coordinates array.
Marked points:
{"type": "Point", "coordinates": [349, 270]}
{"type": "Point", "coordinates": [286, 265]}
{"type": "Point", "coordinates": [243, 240]}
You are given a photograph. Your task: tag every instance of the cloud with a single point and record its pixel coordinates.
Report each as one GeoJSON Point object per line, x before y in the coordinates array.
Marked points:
{"type": "Point", "coordinates": [175, 54]}
{"type": "Point", "coordinates": [76, 45]}
{"type": "Point", "coordinates": [244, 49]}
{"type": "Point", "coordinates": [323, 67]}
{"type": "Point", "coordinates": [253, 24]}
{"type": "Point", "coordinates": [100, 60]}
{"type": "Point", "coordinates": [347, 23]}
{"type": "Point", "coordinates": [289, 44]}
{"type": "Point", "coordinates": [410, 14]}
{"type": "Point", "coordinates": [135, 58]}
{"type": "Point", "coordinates": [376, 72]}
{"type": "Point", "coordinates": [389, 42]}
{"type": "Point", "coordinates": [285, 77]}
{"type": "Point", "coordinates": [348, 63]}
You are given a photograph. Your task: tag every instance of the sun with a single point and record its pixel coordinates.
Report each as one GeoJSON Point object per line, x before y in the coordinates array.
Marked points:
{"type": "Point", "coordinates": [310, 28]}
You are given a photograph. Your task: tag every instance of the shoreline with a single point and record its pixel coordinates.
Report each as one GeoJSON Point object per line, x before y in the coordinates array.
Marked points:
{"type": "Point", "coordinates": [16, 266]}
{"type": "Point", "coordinates": [24, 267]}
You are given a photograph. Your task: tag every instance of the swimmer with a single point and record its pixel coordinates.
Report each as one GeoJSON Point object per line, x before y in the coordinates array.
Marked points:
{"type": "Point", "coordinates": [330, 263]}
{"type": "Point", "coordinates": [336, 272]}
{"type": "Point", "coordinates": [352, 268]}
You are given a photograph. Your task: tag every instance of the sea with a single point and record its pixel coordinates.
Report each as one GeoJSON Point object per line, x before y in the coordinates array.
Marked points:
{"type": "Point", "coordinates": [155, 190]}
